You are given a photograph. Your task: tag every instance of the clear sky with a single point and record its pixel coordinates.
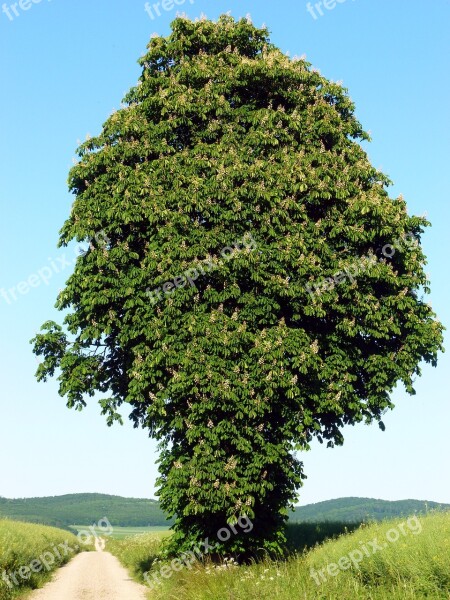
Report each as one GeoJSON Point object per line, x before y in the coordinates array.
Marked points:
{"type": "Point", "coordinates": [64, 67]}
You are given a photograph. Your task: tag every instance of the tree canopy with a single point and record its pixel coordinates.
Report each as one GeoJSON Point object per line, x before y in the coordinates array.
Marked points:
{"type": "Point", "coordinates": [289, 285]}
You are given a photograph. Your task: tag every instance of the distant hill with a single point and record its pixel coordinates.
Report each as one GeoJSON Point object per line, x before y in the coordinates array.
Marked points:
{"type": "Point", "coordinates": [362, 509]}
{"type": "Point", "coordinates": [84, 509]}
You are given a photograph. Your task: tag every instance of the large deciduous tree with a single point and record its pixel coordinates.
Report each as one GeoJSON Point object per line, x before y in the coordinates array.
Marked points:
{"type": "Point", "coordinates": [304, 330]}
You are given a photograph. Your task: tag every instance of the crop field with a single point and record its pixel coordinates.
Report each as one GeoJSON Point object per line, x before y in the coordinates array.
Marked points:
{"type": "Point", "coordinates": [120, 532]}
{"type": "Point", "coordinates": [30, 553]}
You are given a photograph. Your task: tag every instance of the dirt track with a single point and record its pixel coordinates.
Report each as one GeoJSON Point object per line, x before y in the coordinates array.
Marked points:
{"type": "Point", "coordinates": [92, 576]}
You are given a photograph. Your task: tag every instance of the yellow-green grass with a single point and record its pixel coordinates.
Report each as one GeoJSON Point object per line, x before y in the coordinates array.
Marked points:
{"type": "Point", "coordinates": [119, 532]}
{"type": "Point", "coordinates": [414, 566]}
{"type": "Point", "coordinates": [23, 547]}
{"type": "Point", "coordinates": [138, 552]}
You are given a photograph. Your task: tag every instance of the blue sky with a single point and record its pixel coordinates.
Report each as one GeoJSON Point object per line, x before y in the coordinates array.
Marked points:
{"type": "Point", "coordinates": [65, 66]}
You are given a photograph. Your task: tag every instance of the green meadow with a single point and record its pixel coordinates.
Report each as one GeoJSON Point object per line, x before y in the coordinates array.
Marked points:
{"type": "Point", "coordinates": [120, 532]}
{"type": "Point", "coordinates": [398, 559]}
{"type": "Point", "coordinates": [138, 553]}
{"type": "Point", "coordinates": [30, 553]}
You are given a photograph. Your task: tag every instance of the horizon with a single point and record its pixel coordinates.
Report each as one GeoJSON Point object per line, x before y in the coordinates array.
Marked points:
{"type": "Point", "coordinates": [156, 500]}
{"type": "Point", "coordinates": [60, 90]}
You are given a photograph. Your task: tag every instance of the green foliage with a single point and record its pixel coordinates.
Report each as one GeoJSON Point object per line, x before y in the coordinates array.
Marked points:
{"type": "Point", "coordinates": [22, 543]}
{"type": "Point", "coordinates": [63, 511]}
{"type": "Point", "coordinates": [225, 136]}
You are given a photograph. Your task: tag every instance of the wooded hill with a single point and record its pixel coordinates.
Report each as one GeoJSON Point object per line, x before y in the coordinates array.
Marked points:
{"type": "Point", "coordinates": [362, 509]}
{"type": "Point", "coordinates": [85, 509]}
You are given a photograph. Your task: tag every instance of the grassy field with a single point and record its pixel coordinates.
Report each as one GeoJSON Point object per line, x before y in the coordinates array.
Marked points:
{"type": "Point", "coordinates": [401, 559]}
{"type": "Point", "coordinates": [120, 532]}
{"type": "Point", "coordinates": [29, 554]}
{"type": "Point", "coordinates": [137, 553]}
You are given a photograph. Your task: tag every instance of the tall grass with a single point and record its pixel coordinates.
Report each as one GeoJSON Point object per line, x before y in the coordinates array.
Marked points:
{"type": "Point", "coordinates": [23, 543]}
{"type": "Point", "coordinates": [414, 566]}
{"type": "Point", "coordinates": [138, 553]}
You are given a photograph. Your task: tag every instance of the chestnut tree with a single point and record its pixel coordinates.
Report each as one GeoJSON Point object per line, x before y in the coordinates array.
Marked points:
{"type": "Point", "coordinates": [249, 284]}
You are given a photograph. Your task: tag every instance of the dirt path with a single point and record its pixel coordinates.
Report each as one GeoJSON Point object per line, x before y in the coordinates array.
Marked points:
{"type": "Point", "coordinates": [92, 576]}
